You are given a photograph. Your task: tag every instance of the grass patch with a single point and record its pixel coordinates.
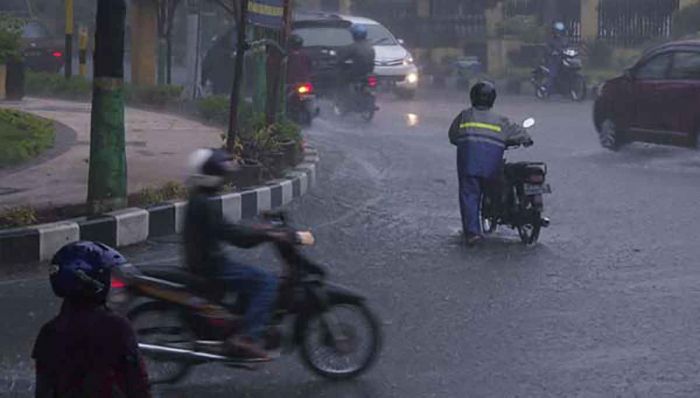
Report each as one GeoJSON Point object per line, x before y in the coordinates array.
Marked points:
{"type": "Point", "coordinates": [19, 216]}
{"type": "Point", "coordinates": [23, 136]}
{"type": "Point", "coordinates": [158, 195]}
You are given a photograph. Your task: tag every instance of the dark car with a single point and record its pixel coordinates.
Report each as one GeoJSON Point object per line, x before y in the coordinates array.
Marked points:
{"type": "Point", "coordinates": [323, 35]}
{"type": "Point", "coordinates": [657, 100]}
{"type": "Point", "coordinates": [42, 51]}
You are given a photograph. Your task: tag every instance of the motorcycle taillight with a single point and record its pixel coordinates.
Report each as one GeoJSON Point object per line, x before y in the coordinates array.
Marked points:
{"type": "Point", "coordinates": [372, 81]}
{"type": "Point", "coordinates": [305, 89]}
{"type": "Point", "coordinates": [117, 283]}
{"type": "Point", "coordinates": [535, 178]}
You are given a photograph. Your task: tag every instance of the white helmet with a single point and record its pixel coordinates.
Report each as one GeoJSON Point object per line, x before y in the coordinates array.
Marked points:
{"type": "Point", "coordinates": [208, 168]}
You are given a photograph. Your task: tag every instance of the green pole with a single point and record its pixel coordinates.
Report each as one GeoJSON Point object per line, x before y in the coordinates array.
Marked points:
{"type": "Point", "coordinates": [107, 176]}
{"type": "Point", "coordinates": [162, 60]}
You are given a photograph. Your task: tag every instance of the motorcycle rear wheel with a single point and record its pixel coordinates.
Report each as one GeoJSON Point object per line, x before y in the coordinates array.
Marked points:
{"type": "Point", "coordinates": [530, 232]}
{"type": "Point", "coordinates": [334, 359]}
{"type": "Point", "coordinates": [159, 323]}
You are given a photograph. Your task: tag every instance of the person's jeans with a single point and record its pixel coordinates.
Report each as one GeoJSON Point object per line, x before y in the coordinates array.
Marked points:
{"type": "Point", "coordinates": [259, 288]}
{"type": "Point", "coordinates": [553, 65]}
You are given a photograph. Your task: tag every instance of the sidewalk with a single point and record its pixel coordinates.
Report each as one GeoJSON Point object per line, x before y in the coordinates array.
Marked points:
{"type": "Point", "coordinates": [157, 147]}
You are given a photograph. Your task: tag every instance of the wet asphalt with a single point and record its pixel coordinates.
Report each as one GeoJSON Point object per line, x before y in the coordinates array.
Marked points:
{"type": "Point", "coordinates": [606, 305]}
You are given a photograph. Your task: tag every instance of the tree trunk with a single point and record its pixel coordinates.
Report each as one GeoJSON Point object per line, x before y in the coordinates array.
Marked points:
{"type": "Point", "coordinates": [169, 58]}
{"type": "Point", "coordinates": [237, 78]}
{"type": "Point", "coordinates": [107, 181]}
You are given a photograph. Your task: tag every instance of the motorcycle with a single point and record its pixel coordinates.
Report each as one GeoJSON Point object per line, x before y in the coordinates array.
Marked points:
{"type": "Point", "coordinates": [521, 203]}
{"type": "Point", "coordinates": [182, 320]}
{"type": "Point", "coordinates": [301, 103]}
{"type": "Point", "coordinates": [569, 81]}
{"type": "Point", "coordinates": [358, 98]}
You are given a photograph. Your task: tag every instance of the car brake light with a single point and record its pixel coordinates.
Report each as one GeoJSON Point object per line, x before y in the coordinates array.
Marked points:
{"type": "Point", "coordinates": [117, 283]}
{"type": "Point", "coordinates": [305, 88]}
{"type": "Point", "coordinates": [57, 54]}
{"type": "Point", "coordinates": [372, 81]}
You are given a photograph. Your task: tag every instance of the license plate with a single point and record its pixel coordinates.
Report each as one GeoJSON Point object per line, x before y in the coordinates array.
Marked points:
{"type": "Point", "coordinates": [537, 189]}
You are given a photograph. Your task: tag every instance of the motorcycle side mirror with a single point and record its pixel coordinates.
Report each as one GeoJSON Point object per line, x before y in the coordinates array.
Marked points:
{"type": "Point", "coordinates": [529, 122]}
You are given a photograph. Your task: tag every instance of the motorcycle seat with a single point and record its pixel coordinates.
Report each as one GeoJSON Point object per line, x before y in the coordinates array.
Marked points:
{"type": "Point", "coordinates": [210, 288]}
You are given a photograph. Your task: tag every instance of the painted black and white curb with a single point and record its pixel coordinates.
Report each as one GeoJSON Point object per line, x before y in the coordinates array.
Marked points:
{"type": "Point", "coordinates": [130, 226]}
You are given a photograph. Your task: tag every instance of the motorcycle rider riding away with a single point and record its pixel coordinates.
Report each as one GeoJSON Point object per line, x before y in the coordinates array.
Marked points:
{"type": "Point", "coordinates": [481, 136]}
{"type": "Point", "coordinates": [357, 59]}
{"type": "Point", "coordinates": [207, 232]}
{"type": "Point", "coordinates": [87, 351]}
{"type": "Point", "coordinates": [298, 63]}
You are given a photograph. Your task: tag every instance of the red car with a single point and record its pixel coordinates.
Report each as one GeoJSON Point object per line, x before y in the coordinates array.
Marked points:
{"type": "Point", "coordinates": [657, 100]}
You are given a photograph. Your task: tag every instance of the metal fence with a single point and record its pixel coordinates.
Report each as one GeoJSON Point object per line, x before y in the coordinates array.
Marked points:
{"type": "Point", "coordinates": [633, 22]}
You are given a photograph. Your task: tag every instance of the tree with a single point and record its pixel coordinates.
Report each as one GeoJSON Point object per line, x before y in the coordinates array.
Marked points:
{"type": "Point", "coordinates": [107, 176]}
{"type": "Point", "coordinates": [166, 18]}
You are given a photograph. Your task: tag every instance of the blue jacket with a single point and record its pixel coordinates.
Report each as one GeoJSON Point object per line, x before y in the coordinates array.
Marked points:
{"type": "Point", "coordinates": [481, 137]}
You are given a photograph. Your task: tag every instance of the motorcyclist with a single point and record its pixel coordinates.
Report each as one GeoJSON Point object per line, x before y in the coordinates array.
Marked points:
{"type": "Point", "coordinates": [481, 136]}
{"type": "Point", "coordinates": [206, 233]}
{"type": "Point", "coordinates": [357, 59]}
{"type": "Point", "coordinates": [87, 351]}
{"type": "Point", "coordinates": [556, 45]}
{"type": "Point", "coordinates": [298, 62]}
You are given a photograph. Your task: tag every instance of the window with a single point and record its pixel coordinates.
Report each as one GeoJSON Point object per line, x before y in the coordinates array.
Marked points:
{"type": "Point", "coordinates": [686, 66]}
{"type": "Point", "coordinates": [324, 36]}
{"type": "Point", "coordinates": [380, 36]}
{"type": "Point", "coordinates": [34, 30]}
{"type": "Point", "coordinates": [654, 69]}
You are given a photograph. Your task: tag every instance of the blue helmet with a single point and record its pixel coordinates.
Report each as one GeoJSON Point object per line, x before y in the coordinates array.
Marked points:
{"type": "Point", "coordinates": [82, 270]}
{"type": "Point", "coordinates": [359, 32]}
{"type": "Point", "coordinates": [559, 27]}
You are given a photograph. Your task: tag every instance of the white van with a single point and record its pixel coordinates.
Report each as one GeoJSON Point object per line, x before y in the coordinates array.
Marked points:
{"type": "Point", "coordinates": [394, 65]}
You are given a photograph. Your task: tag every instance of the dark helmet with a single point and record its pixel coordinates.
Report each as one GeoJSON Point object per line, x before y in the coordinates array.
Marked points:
{"type": "Point", "coordinates": [83, 270]}
{"type": "Point", "coordinates": [296, 42]}
{"type": "Point", "coordinates": [558, 28]}
{"type": "Point", "coordinates": [359, 32]}
{"type": "Point", "coordinates": [208, 168]}
{"type": "Point", "coordinates": [483, 95]}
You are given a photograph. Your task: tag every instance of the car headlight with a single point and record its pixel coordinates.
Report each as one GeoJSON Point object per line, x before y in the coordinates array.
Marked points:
{"type": "Point", "coordinates": [412, 78]}
{"type": "Point", "coordinates": [408, 60]}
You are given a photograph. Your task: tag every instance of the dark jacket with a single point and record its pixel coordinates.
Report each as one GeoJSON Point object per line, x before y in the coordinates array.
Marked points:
{"type": "Point", "coordinates": [556, 45]}
{"type": "Point", "coordinates": [88, 351]}
{"type": "Point", "coordinates": [481, 137]}
{"type": "Point", "coordinates": [357, 59]}
{"type": "Point", "coordinates": [206, 230]}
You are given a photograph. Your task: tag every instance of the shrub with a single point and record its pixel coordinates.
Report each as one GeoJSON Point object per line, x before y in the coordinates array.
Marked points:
{"type": "Point", "coordinates": [10, 38]}
{"type": "Point", "coordinates": [55, 85]}
{"type": "Point", "coordinates": [213, 109]}
{"type": "Point", "coordinates": [685, 21]}
{"type": "Point", "coordinates": [599, 54]}
{"type": "Point", "coordinates": [524, 27]}
{"type": "Point", "coordinates": [23, 136]}
{"type": "Point", "coordinates": [158, 96]}
{"type": "Point", "coordinates": [152, 196]}
{"type": "Point", "coordinates": [19, 216]}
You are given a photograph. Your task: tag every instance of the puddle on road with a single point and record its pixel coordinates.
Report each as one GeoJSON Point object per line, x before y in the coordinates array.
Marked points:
{"type": "Point", "coordinates": [412, 120]}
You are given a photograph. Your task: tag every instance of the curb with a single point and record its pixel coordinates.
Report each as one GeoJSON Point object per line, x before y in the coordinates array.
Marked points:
{"type": "Point", "coordinates": [135, 225]}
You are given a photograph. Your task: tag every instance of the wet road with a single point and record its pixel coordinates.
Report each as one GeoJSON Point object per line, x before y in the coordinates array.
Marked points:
{"type": "Point", "coordinates": [606, 305]}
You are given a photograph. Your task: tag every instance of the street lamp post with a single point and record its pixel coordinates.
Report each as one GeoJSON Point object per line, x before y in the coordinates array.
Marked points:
{"type": "Point", "coordinates": [68, 53]}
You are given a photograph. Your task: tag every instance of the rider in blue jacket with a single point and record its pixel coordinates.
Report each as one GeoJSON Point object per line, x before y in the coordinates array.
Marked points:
{"type": "Point", "coordinates": [481, 136]}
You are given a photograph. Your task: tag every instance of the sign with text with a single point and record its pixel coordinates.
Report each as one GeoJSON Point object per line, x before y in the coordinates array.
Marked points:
{"type": "Point", "coordinates": [267, 13]}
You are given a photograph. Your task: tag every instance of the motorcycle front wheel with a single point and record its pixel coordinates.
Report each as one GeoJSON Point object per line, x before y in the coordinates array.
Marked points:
{"type": "Point", "coordinates": [345, 356]}
{"type": "Point", "coordinates": [579, 90]}
{"type": "Point", "coordinates": [161, 324]}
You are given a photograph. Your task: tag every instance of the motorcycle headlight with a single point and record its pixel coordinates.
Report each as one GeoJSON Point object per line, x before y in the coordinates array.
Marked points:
{"type": "Point", "coordinates": [570, 53]}
{"type": "Point", "coordinates": [408, 60]}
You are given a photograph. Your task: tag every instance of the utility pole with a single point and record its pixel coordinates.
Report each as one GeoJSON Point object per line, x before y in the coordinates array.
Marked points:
{"type": "Point", "coordinates": [68, 51]}
{"type": "Point", "coordinates": [241, 47]}
{"type": "Point", "coordinates": [107, 176]}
